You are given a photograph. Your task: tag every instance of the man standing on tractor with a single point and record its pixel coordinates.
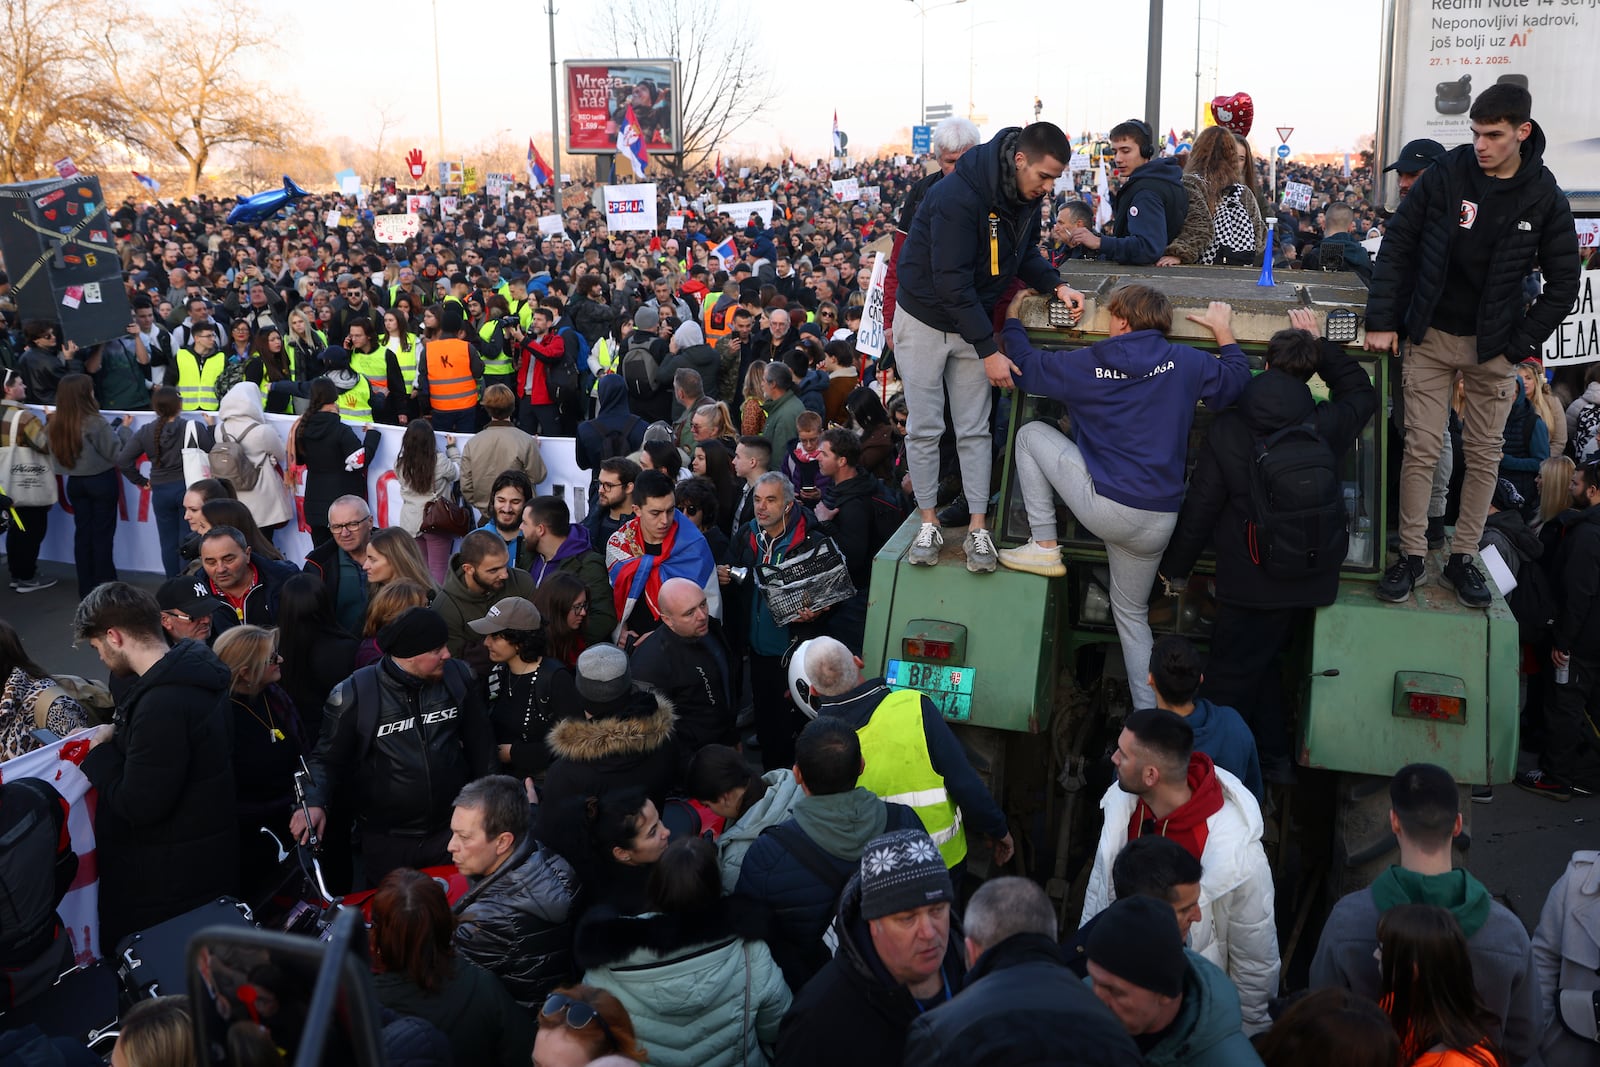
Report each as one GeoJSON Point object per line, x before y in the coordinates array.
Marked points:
{"type": "Point", "coordinates": [1449, 280]}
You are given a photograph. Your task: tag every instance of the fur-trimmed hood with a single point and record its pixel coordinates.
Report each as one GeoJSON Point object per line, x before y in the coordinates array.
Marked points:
{"type": "Point", "coordinates": [606, 938]}
{"type": "Point", "coordinates": [640, 731]}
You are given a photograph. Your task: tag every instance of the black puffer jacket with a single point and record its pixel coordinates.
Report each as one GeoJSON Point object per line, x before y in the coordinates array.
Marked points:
{"type": "Point", "coordinates": [1577, 583]}
{"type": "Point", "coordinates": [944, 269]}
{"type": "Point", "coordinates": [164, 828]}
{"type": "Point", "coordinates": [697, 677]}
{"type": "Point", "coordinates": [329, 448]}
{"type": "Point", "coordinates": [516, 922]}
{"type": "Point", "coordinates": [1217, 508]}
{"type": "Point", "coordinates": [1409, 277]}
{"type": "Point", "coordinates": [430, 739]}
{"type": "Point", "coordinates": [1022, 1007]}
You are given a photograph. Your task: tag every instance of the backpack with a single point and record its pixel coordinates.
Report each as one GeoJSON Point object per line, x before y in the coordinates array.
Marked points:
{"type": "Point", "coordinates": [1233, 238]}
{"type": "Point", "coordinates": [614, 441]}
{"type": "Point", "coordinates": [1533, 604]}
{"type": "Point", "coordinates": [564, 379]}
{"type": "Point", "coordinates": [639, 371]}
{"type": "Point", "coordinates": [1298, 527]}
{"type": "Point", "coordinates": [229, 460]}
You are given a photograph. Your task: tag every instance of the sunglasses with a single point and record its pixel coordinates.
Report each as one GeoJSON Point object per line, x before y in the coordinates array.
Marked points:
{"type": "Point", "coordinates": [579, 1014]}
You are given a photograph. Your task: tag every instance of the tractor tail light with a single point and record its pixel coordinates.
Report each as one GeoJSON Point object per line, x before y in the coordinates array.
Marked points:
{"type": "Point", "coordinates": [923, 649]}
{"type": "Point", "coordinates": [1433, 706]}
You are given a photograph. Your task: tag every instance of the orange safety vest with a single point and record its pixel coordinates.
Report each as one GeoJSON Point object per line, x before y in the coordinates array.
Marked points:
{"type": "Point", "coordinates": [716, 324]}
{"type": "Point", "coordinates": [450, 383]}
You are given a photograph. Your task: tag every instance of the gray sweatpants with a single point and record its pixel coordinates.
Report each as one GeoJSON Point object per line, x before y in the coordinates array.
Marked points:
{"type": "Point", "coordinates": [1048, 460]}
{"type": "Point", "coordinates": [927, 360]}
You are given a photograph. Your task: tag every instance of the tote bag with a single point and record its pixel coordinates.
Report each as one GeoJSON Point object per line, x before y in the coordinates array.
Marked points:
{"type": "Point", "coordinates": [30, 480]}
{"type": "Point", "coordinates": [196, 460]}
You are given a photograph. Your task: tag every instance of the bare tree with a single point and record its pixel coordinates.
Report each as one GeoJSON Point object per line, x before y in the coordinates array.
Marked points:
{"type": "Point", "coordinates": [725, 83]}
{"type": "Point", "coordinates": [52, 100]}
{"type": "Point", "coordinates": [376, 163]}
{"type": "Point", "coordinates": [184, 86]}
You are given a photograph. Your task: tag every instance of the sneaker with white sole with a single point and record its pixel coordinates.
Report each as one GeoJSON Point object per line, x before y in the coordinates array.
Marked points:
{"type": "Point", "coordinates": [33, 585]}
{"type": "Point", "coordinates": [1032, 559]}
{"type": "Point", "coordinates": [924, 551]}
{"type": "Point", "coordinates": [979, 547]}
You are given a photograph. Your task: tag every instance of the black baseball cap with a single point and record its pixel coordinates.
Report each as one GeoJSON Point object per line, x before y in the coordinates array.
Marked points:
{"type": "Point", "coordinates": [189, 595]}
{"type": "Point", "coordinates": [1417, 156]}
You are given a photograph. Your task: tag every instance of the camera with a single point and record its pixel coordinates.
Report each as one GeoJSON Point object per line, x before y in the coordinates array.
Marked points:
{"type": "Point", "coordinates": [510, 322]}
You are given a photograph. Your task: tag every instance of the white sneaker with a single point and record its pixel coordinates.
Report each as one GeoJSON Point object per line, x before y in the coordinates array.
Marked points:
{"type": "Point", "coordinates": [979, 547]}
{"type": "Point", "coordinates": [924, 551]}
{"type": "Point", "coordinates": [1032, 559]}
{"type": "Point", "coordinates": [33, 585]}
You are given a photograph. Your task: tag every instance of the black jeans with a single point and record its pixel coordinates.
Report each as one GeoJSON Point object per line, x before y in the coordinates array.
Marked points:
{"type": "Point", "coordinates": [1245, 671]}
{"type": "Point", "coordinates": [23, 541]}
{"type": "Point", "coordinates": [778, 723]}
{"type": "Point", "coordinates": [94, 500]}
{"type": "Point", "coordinates": [1571, 750]}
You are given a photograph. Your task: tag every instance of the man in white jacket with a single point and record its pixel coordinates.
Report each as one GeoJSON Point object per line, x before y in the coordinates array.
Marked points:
{"type": "Point", "coordinates": [1166, 788]}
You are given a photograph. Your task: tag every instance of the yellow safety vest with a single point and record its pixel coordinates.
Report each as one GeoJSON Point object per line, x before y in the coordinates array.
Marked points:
{"type": "Point", "coordinates": [374, 367]}
{"type": "Point", "coordinates": [265, 384]}
{"type": "Point", "coordinates": [523, 312]}
{"type": "Point", "coordinates": [406, 355]}
{"type": "Point", "coordinates": [355, 403]}
{"type": "Point", "coordinates": [499, 365]}
{"type": "Point", "coordinates": [899, 769]}
{"type": "Point", "coordinates": [605, 359]}
{"type": "Point", "coordinates": [197, 382]}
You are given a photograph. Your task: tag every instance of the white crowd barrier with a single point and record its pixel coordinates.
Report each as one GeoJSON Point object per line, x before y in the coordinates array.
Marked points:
{"type": "Point", "coordinates": [138, 548]}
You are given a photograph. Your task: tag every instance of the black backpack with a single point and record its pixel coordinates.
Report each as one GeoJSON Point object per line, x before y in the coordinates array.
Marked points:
{"type": "Point", "coordinates": [614, 441]}
{"type": "Point", "coordinates": [1533, 604]}
{"type": "Point", "coordinates": [639, 371]}
{"type": "Point", "coordinates": [1298, 526]}
{"type": "Point", "coordinates": [563, 379]}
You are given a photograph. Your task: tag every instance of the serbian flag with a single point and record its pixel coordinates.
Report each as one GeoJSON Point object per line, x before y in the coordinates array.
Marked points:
{"type": "Point", "coordinates": [630, 142]}
{"type": "Point", "coordinates": [1172, 141]}
{"type": "Point", "coordinates": [727, 251]}
{"type": "Point", "coordinates": [719, 171]}
{"type": "Point", "coordinates": [146, 181]}
{"type": "Point", "coordinates": [684, 554]}
{"type": "Point", "coordinates": [838, 149]}
{"type": "Point", "coordinates": [538, 170]}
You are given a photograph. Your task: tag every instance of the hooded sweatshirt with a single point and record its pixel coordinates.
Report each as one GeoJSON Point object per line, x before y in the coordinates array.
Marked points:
{"type": "Point", "coordinates": [1131, 399]}
{"type": "Point", "coordinates": [1583, 423]}
{"type": "Point", "coordinates": [1149, 212]}
{"type": "Point", "coordinates": [1206, 1032]}
{"type": "Point", "coordinates": [1187, 824]}
{"type": "Point", "coordinates": [774, 807]}
{"type": "Point", "coordinates": [460, 604]}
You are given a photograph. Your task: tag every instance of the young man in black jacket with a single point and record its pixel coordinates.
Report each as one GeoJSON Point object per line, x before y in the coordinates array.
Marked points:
{"type": "Point", "coordinates": [1449, 280]}
{"type": "Point", "coordinates": [1256, 612]}
{"type": "Point", "coordinates": [1148, 211]}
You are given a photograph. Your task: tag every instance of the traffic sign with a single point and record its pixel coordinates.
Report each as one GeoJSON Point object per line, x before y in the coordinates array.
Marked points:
{"type": "Point", "coordinates": [921, 140]}
{"type": "Point", "coordinates": [1284, 133]}
{"type": "Point", "coordinates": [1283, 151]}
{"type": "Point", "coordinates": [935, 112]}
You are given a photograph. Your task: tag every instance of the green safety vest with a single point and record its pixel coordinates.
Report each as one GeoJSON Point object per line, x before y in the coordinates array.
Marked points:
{"type": "Point", "coordinates": [899, 770]}
{"type": "Point", "coordinates": [523, 312]}
{"type": "Point", "coordinates": [605, 359]}
{"type": "Point", "coordinates": [407, 356]}
{"type": "Point", "coordinates": [355, 404]}
{"type": "Point", "coordinates": [265, 384]}
{"type": "Point", "coordinates": [372, 366]}
{"type": "Point", "coordinates": [197, 382]}
{"type": "Point", "coordinates": [502, 364]}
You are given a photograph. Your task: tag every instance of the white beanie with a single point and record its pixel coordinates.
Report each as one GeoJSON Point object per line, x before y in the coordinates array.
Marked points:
{"type": "Point", "coordinates": [688, 334]}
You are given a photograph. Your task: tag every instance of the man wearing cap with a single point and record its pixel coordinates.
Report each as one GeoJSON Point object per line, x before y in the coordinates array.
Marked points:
{"type": "Point", "coordinates": [645, 399]}
{"type": "Point", "coordinates": [1164, 787]}
{"type": "Point", "coordinates": [406, 733]}
{"type": "Point", "coordinates": [1449, 280]}
{"type": "Point", "coordinates": [1416, 157]}
{"type": "Point", "coordinates": [688, 660]}
{"type": "Point", "coordinates": [624, 739]}
{"type": "Point", "coordinates": [899, 954]}
{"type": "Point", "coordinates": [1179, 1007]}
{"type": "Point", "coordinates": [187, 604]}
{"type": "Point", "coordinates": [1021, 1004]}
{"type": "Point", "coordinates": [1425, 818]}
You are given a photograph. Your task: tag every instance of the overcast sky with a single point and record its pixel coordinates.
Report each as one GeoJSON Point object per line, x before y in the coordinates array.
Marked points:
{"type": "Point", "coordinates": [1085, 61]}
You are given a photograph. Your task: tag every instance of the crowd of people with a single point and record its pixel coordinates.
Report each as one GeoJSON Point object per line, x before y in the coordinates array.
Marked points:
{"type": "Point", "coordinates": [692, 830]}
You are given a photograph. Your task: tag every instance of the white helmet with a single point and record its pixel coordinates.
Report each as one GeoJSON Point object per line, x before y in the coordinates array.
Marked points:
{"type": "Point", "coordinates": [799, 685]}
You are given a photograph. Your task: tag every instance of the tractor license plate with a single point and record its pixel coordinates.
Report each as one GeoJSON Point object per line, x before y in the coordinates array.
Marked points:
{"type": "Point", "coordinates": [950, 688]}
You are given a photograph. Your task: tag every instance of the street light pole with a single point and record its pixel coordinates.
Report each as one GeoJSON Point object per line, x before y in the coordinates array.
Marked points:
{"type": "Point", "coordinates": [1152, 69]}
{"type": "Point", "coordinates": [555, 119]}
{"type": "Point", "coordinates": [922, 10]}
{"type": "Point", "coordinates": [438, 90]}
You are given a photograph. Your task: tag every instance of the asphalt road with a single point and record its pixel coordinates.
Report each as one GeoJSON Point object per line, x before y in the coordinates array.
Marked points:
{"type": "Point", "coordinates": [1521, 843]}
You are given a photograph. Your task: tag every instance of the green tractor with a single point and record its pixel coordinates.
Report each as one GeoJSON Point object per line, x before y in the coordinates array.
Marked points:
{"type": "Point", "coordinates": [1029, 671]}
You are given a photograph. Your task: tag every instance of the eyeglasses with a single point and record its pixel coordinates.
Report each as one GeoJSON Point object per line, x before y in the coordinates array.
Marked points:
{"type": "Point", "coordinates": [579, 1014]}
{"type": "Point", "coordinates": [581, 608]}
{"type": "Point", "coordinates": [691, 509]}
{"type": "Point", "coordinates": [900, 422]}
{"type": "Point", "coordinates": [610, 485]}
{"type": "Point", "coordinates": [347, 527]}
{"type": "Point", "coordinates": [180, 616]}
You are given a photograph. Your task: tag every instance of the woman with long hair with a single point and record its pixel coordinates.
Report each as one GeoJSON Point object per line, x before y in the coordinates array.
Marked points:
{"type": "Point", "coordinates": [529, 691]}
{"type": "Point", "coordinates": [426, 476]}
{"type": "Point", "coordinates": [579, 1024]}
{"type": "Point", "coordinates": [162, 440]}
{"type": "Point", "coordinates": [1555, 489]}
{"type": "Point", "coordinates": [418, 972]}
{"type": "Point", "coordinates": [317, 652]}
{"type": "Point", "coordinates": [752, 409]}
{"type": "Point", "coordinates": [392, 554]}
{"type": "Point", "coordinates": [304, 341]}
{"type": "Point", "coordinates": [86, 448]}
{"type": "Point", "coordinates": [397, 337]}
{"type": "Point", "coordinates": [1224, 223]}
{"type": "Point", "coordinates": [1537, 387]}
{"type": "Point", "coordinates": [270, 361]}
{"type": "Point", "coordinates": [563, 603]}
{"type": "Point", "coordinates": [237, 352]}
{"type": "Point", "coordinates": [268, 741]}
{"type": "Point", "coordinates": [335, 459]}
{"type": "Point", "coordinates": [29, 699]}
{"type": "Point", "coordinates": [712, 461]}
{"type": "Point", "coordinates": [235, 513]}
{"type": "Point", "coordinates": [662, 456]}
{"type": "Point", "coordinates": [871, 421]}
{"type": "Point", "coordinates": [387, 605]}
{"type": "Point", "coordinates": [25, 430]}
{"type": "Point", "coordinates": [1427, 990]}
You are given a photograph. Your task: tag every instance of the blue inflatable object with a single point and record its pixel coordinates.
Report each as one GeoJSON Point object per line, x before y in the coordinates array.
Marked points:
{"type": "Point", "coordinates": [1267, 254]}
{"type": "Point", "coordinates": [258, 206]}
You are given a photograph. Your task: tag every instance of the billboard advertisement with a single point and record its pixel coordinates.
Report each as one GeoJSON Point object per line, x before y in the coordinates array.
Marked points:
{"type": "Point", "coordinates": [1447, 52]}
{"type": "Point", "coordinates": [600, 91]}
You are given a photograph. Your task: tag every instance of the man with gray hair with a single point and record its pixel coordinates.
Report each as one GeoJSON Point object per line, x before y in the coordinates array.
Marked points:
{"type": "Point", "coordinates": [337, 560]}
{"type": "Point", "coordinates": [784, 407]}
{"type": "Point", "coordinates": [911, 755]}
{"type": "Point", "coordinates": [515, 920]}
{"type": "Point", "coordinates": [1020, 1004]}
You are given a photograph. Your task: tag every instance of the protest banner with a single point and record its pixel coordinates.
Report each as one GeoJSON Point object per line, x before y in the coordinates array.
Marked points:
{"type": "Point", "coordinates": [870, 337]}
{"type": "Point", "coordinates": [1297, 195]}
{"type": "Point", "coordinates": [416, 203]}
{"type": "Point", "coordinates": [1577, 340]}
{"type": "Point", "coordinates": [630, 207]}
{"type": "Point", "coordinates": [846, 190]}
{"type": "Point", "coordinates": [395, 229]}
{"type": "Point", "coordinates": [740, 213]}
{"type": "Point", "coordinates": [599, 93]}
{"type": "Point", "coordinates": [550, 225]}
